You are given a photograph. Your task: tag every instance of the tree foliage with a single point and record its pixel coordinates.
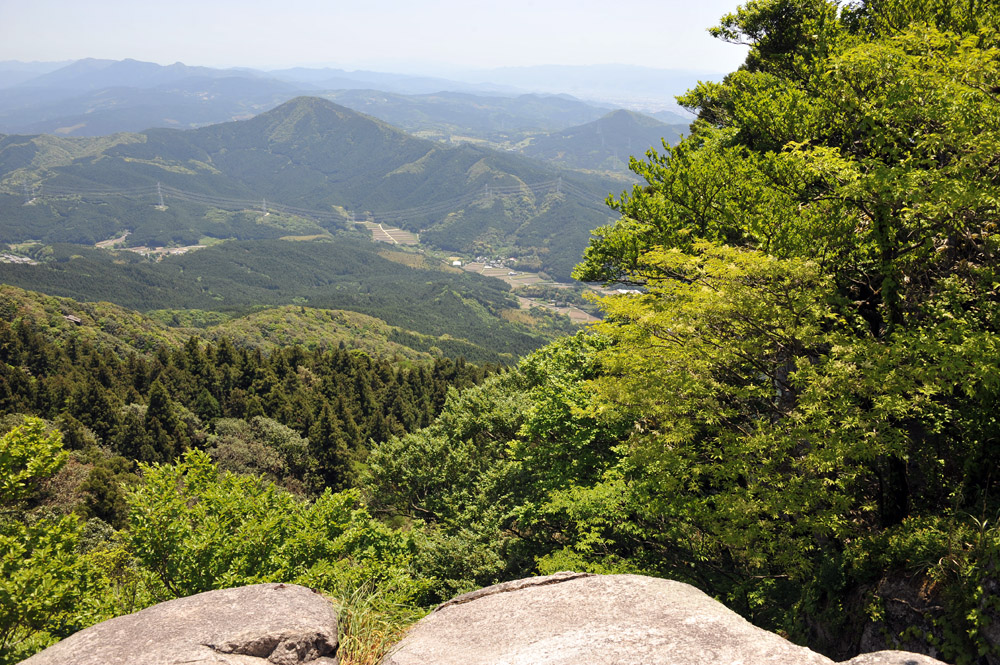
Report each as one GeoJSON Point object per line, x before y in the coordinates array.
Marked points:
{"type": "Point", "coordinates": [812, 361]}
{"type": "Point", "coordinates": [198, 529]}
{"type": "Point", "coordinates": [41, 578]}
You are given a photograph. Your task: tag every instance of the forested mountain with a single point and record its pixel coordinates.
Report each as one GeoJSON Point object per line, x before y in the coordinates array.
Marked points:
{"type": "Point", "coordinates": [310, 154]}
{"type": "Point", "coordinates": [792, 405]}
{"type": "Point", "coordinates": [111, 328]}
{"type": "Point", "coordinates": [346, 400]}
{"type": "Point", "coordinates": [460, 314]}
{"type": "Point", "coordinates": [606, 143]}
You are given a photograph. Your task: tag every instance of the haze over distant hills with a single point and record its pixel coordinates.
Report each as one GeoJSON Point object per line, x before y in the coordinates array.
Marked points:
{"type": "Point", "coordinates": [606, 143]}
{"type": "Point", "coordinates": [635, 87]}
{"type": "Point", "coordinates": [93, 97]}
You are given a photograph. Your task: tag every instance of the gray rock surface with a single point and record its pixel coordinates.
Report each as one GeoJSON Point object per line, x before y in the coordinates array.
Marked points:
{"type": "Point", "coordinates": [609, 619]}
{"type": "Point", "coordinates": [275, 624]}
{"type": "Point", "coordinates": [892, 658]}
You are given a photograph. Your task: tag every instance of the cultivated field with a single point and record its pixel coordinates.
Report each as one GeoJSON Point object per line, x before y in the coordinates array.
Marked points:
{"type": "Point", "coordinates": [515, 278]}
{"type": "Point", "coordinates": [390, 234]}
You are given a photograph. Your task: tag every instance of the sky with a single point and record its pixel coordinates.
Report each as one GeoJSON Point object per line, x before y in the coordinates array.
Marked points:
{"type": "Point", "coordinates": [408, 36]}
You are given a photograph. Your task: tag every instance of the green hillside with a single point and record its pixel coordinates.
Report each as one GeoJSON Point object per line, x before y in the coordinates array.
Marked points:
{"type": "Point", "coordinates": [318, 164]}
{"type": "Point", "coordinates": [122, 331]}
{"type": "Point", "coordinates": [101, 324]}
{"type": "Point", "coordinates": [464, 116]}
{"type": "Point", "coordinates": [606, 143]}
{"type": "Point", "coordinates": [237, 277]}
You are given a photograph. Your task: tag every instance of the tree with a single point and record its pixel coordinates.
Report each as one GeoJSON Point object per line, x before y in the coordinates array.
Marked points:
{"type": "Point", "coordinates": [812, 360]}
{"type": "Point", "coordinates": [480, 480]}
{"type": "Point", "coordinates": [41, 578]}
{"type": "Point", "coordinates": [198, 529]}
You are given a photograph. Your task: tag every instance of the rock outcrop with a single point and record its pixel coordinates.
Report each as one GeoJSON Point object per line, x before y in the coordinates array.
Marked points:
{"type": "Point", "coordinates": [276, 624]}
{"type": "Point", "coordinates": [554, 620]}
{"type": "Point", "coordinates": [892, 658]}
{"type": "Point", "coordinates": [610, 619]}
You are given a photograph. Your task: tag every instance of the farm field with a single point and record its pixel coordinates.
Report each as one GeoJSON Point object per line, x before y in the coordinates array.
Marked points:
{"type": "Point", "coordinates": [514, 278]}
{"type": "Point", "coordinates": [575, 314]}
{"type": "Point", "coordinates": [390, 234]}
{"type": "Point", "coordinates": [517, 278]}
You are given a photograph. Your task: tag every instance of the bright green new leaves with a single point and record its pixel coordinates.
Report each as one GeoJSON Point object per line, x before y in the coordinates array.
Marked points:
{"type": "Point", "coordinates": [28, 454]}
{"type": "Point", "coordinates": [812, 363]}
{"type": "Point", "coordinates": [877, 160]}
{"type": "Point", "coordinates": [41, 578]}
{"type": "Point", "coordinates": [707, 361]}
{"type": "Point", "coordinates": [41, 581]}
{"type": "Point", "coordinates": [481, 477]}
{"type": "Point", "coordinates": [199, 529]}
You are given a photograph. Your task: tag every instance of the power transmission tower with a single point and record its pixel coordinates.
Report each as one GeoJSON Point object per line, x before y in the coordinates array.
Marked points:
{"type": "Point", "coordinates": [159, 193]}
{"type": "Point", "coordinates": [263, 207]}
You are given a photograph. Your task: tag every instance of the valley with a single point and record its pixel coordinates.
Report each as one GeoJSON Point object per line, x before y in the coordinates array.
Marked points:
{"type": "Point", "coordinates": [395, 339]}
{"type": "Point", "coordinates": [282, 210]}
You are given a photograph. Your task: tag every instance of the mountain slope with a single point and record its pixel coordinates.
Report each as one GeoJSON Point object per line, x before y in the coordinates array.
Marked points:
{"type": "Point", "coordinates": [308, 153]}
{"type": "Point", "coordinates": [461, 314]}
{"type": "Point", "coordinates": [606, 143]}
{"type": "Point", "coordinates": [124, 331]}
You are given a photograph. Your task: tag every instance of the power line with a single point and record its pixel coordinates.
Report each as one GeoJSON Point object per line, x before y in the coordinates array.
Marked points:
{"type": "Point", "coordinates": [556, 186]}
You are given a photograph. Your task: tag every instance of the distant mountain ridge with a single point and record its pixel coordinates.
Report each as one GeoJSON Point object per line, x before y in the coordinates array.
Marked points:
{"type": "Point", "coordinates": [93, 74]}
{"type": "Point", "coordinates": [605, 143]}
{"type": "Point", "coordinates": [93, 97]}
{"type": "Point", "coordinates": [443, 115]}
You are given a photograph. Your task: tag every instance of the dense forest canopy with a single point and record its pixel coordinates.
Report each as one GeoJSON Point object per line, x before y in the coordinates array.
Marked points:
{"type": "Point", "coordinates": [812, 364]}
{"type": "Point", "coordinates": [793, 408]}
{"type": "Point", "coordinates": [795, 411]}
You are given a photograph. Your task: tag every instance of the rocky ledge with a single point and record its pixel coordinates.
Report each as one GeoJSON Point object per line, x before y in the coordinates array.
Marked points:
{"type": "Point", "coordinates": [277, 624]}
{"type": "Point", "coordinates": [554, 620]}
{"type": "Point", "coordinates": [572, 618]}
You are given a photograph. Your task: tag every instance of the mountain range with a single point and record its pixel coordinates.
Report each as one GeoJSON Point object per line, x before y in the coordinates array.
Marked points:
{"type": "Point", "coordinates": [270, 204]}
{"type": "Point", "coordinates": [271, 199]}
{"type": "Point", "coordinates": [332, 162]}
{"type": "Point", "coordinates": [604, 144]}
{"type": "Point", "coordinates": [95, 97]}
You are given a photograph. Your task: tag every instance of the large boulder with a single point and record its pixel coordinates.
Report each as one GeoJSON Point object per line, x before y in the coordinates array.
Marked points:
{"type": "Point", "coordinates": [277, 624]}
{"type": "Point", "coordinates": [572, 618]}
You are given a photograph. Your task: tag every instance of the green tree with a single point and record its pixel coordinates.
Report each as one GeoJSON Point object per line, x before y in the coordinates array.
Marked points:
{"type": "Point", "coordinates": [261, 447]}
{"type": "Point", "coordinates": [328, 447]}
{"type": "Point", "coordinates": [41, 577]}
{"type": "Point", "coordinates": [482, 481]}
{"type": "Point", "coordinates": [812, 360]}
{"type": "Point", "coordinates": [198, 529]}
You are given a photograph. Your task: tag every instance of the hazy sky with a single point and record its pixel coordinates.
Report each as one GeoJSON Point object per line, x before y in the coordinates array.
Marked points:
{"type": "Point", "coordinates": [397, 35]}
